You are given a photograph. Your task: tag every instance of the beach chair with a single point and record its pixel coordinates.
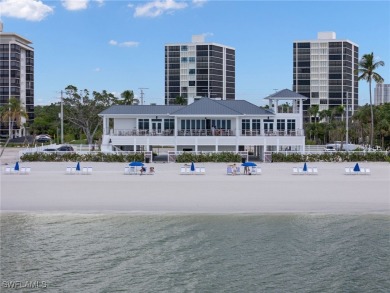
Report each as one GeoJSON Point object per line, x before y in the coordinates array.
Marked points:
{"type": "Point", "coordinates": [183, 170]}
{"type": "Point", "coordinates": [22, 170]}
{"type": "Point", "coordinates": [73, 170]}
{"type": "Point", "coordinates": [197, 170]}
{"type": "Point", "coordinates": [258, 170]}
{"type": "Point", "coordinates": [68, 170]}
{"type": "Point", "coordinates": [28, 170]}
{"type": "Point", "coordinates": [202, 170]}
{"type": "Point", "coordinates": [13, 171]}
{"type": "Point", "coordinates": [7, 170]}
{"type": "Point", "coordinates": [127, 170]}
{"type": "Point", "coordinates": [315, 170]}
{"type": "Point", "coordinates": [347, 171]}
{"type": "Point", "coordinates": [84, 171]}
{"type": "Point", "coordinates": [89, 170]}
{"type": "Point", "coordinates": [229, 170]}
{"type": "Point", "coordinates": [309, 170]}
{"type": "Point", "coordinates": [368, 171]}
{"type": "Point", "coordinates": [300, 171]}
{"type": "Point", "coordinates": [238, 170]}
{"type": "Point", "coordinates": [362, 171]}
{"type": "Point", "coordinates": [295, 170]}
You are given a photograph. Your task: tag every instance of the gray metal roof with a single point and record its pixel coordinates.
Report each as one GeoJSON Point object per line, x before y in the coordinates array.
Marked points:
{"type": "Point", "coordinates": [206, 106]}
{"type": "Point", "coordinates": [203, 106]}
{"type": "Point", "coordinates": [141, 109]}
{"type": "Point", "coordinates": [286, 94]}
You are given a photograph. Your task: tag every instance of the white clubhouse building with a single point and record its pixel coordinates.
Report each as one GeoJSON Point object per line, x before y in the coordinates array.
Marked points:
{"type": "Point", "coordinates": [208, 125]}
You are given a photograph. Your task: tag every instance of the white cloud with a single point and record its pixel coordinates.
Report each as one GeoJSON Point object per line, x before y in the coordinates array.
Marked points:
{"type": "Point", "coordinates": [100, 2]}
{"type": "Point", "coordinates": [158, 7]}
{"type": "Point", "coordinates": [97, 69]}
{"type": "Point", "coordinates": [33, 10]}
{"type": "Point", "coordinates": [199, 3]}
{"type": "Point", "coordinates": [124, 44]}
{"type": "Point", "coordinates": [75, 4]}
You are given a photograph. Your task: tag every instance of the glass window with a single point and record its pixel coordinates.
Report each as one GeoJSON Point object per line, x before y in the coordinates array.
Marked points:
{"type": "Point", "coordinates": [169, 124]}
{"type": "Point", "coordinates": [256, 124]}
{"type": "Point", "coordinates": [191, 71]}
{"type": "Point", "coordinates": [184, 59]}
{"type": "Point", "coordinates": [184, 48]}
{"type": "Point", "coordinates": [143, 124]}
{"type": "Point", "coordinates": [183, 124]}
{"type": "Point", "coordinates": [290, 124]}
{"type": "Point", "coordinates": [191, 83]}
{"type": "Point", "coordinates": [191, 59]}
{"type": "Point", "coordinates": [280, 124]}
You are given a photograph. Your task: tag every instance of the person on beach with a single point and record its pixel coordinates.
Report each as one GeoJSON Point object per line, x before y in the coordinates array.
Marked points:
{"type": "Point", "coordinates": [246, 170]}
{"type": "Point", "coordinates": [142, 170]}
{"type": "Point", "coordinates": [151, 170]}
{"type": "Point", "coordinates": [234, 169]}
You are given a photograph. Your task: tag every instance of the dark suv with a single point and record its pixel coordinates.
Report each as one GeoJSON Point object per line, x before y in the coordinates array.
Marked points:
{"type": "Point", "coordinates": [65, 148]}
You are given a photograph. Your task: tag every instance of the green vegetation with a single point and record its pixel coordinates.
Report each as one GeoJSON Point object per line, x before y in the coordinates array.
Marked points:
{"type": "Point", "coordinates": [223, 157]}
{"type": "Point", "coordinates": [333, 129]}
{"type": "Point", "coordinates": [332, 157]}
{"type": "Point", "coordinates": [73, 157]}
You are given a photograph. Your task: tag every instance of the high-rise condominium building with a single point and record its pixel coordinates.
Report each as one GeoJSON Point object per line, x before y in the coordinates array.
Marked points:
{"type": "Point", "coordinates": [325, 72]}
{"type": "Point", "coordinates": [16, 78]}
{"type": "Point", "coordinates": [199, 69]}
{"type": "Point", "coordinates": [381, 94]}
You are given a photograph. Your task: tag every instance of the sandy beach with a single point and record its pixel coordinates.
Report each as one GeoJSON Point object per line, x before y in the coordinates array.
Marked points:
{"type": "Point", "coordinates": [49, 189]}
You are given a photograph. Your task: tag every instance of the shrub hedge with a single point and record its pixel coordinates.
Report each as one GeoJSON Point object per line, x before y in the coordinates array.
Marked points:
{"type": "Point", "coordinates": [74, 157]}
{"type": "Point", "coordinates": [332, 157]}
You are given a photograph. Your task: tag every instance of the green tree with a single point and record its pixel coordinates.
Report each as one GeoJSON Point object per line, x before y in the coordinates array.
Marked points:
{"type": "Point", "coordinates": [128, 98]}
{"type": "Point", "coordinates": [179, 100]}
{"type": "Point", "coordinates": [313, 112]}
{"type": "Point", "coordinates": [82, 111]}
{"type": "Point", "coordinates": [367, 67]}
{"type": "Point", "coordinates": [12, 114]}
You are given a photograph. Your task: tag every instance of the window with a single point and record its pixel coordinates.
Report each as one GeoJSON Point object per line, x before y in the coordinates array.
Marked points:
{"type": "Point", "coordinates": [143, 124]}
{"type": "Point", "coordinates": [245, 125]}
{"type": "Point", "coordinates": [191, 59]}
{"type": "Point", "coordinates": [184, 48]}
{"type": "Point", "coordinates": [184, 59]}
{"type": "Point", "coordinates": [191, 83]}
{"type": "Point", "coordinates": [256, 124]}
{"type": "Point", "coordinates": [191, 71]}
{"type": "Point", "coordinates": [290, 124]}
{"type": "Point", "coordinates": [169, 124]}
{"type": "Point", "coordinates": [280, 124]}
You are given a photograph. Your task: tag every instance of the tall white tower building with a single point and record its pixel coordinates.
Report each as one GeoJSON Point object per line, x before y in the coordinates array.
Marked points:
{"type": "Point", "coordinates": [325, 72]}
{"type": "Point", "coordinates": [16, 77]}
{"type": "Point", "coordinates": [199, 69]}
{"type": "Point", "coordinates": [381, 94]}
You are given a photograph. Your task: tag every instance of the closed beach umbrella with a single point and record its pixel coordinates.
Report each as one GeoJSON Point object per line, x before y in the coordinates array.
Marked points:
{"type": "Point", "coordinates": [78, 166]}
{"type": "Point", "coordinates": [136, 164]}
{"type": "Point", "coordinates": [356, 168]}
{"type": "Point", "coordinates": [16, 168]}
{"type": "Point", "coordinates": [305, 167]}
{"type": "Point", "coordinates": [192, 167]}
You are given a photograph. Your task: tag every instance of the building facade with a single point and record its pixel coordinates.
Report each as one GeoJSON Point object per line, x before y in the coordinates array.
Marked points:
{"type": "Point", "coordinates": [199, 69]}
{"type": "Point", "coordinates": [381, 94]}
{"type": "Point", "coordinates": [207, 125]}
{"type": "Point", "coordinates": [325, 71]}
{"type": "Point", "coordinates": [16, 79]}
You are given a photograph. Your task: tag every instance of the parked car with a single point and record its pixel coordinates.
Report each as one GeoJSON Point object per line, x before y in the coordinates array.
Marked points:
{"type": "Point", "coordinates": [65, 148]}
{"type": "Point", "coordinates": [43, 138]}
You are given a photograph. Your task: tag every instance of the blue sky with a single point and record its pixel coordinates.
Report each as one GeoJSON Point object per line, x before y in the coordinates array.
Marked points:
{"type": "Point", "coordinates": [119, 45]}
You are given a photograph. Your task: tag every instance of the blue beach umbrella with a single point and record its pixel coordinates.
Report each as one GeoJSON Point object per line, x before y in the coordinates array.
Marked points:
{"type": "Point", "coordinates": [248, 164]}
{"type": "Point", "coordinates": [16, 168]}
{"type": "Point", "coordinates": [78, 166]}
{"type": "Point", "coordinates": [136, 164]}
{"type": "Point", "coordinates": [356, 168]}
{"type": "Point", "coordinates": [305, 167]}
{"type": "Point", "coordinates": [192, 167]}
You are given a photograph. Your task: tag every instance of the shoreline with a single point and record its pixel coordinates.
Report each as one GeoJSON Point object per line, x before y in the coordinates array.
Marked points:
{"type": "Point", "coordinates": [48, 189]}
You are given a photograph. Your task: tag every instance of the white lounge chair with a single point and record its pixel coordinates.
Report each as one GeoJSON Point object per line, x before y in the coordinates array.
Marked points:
{"type": "Point", "coordinates": [183, 170]}
{"type": "Point", "coordinates": [197, 170]}
{"type": "Point", "coordinates": [22, 170]}
{"type": "Point", "coordinates": [295, 170]}
{"type": "Point", "coordinates": [28, 170]}
{"type": "Point", "coordinates": [202, 170]}
{"type": "Point", "coordinates": [229, 170]}
{"type": "Point", "coordinates": [89, 170]}
{"type": "Point", "coordinates": [310, 170]}
{"type": "Point", "coordinates": [347, 171]}
{"type": "Point", "coordinates": [315, 170]}
{"type": "Point", "coordinates": [7, 170]}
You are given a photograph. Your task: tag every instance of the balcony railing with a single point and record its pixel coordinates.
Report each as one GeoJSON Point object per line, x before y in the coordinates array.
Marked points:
{"type": "Point", "coordinates": [208, 132]}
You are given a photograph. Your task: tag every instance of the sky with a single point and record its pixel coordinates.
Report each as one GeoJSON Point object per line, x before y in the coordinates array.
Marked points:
{"type": "Point", "coordinates": [119, 45]}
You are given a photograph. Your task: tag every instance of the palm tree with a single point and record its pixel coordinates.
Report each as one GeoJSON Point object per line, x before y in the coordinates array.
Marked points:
{"type": "Point", "coordinates": [367, 67]}
{"type": "Point", "coordinates": [128, 98]}
{"type": "Point", "coordinates": [12, 113]}
{"type": "Point", "coordinates": [313, 112]}
{"type": "Point", "coordinates": [179, 100]}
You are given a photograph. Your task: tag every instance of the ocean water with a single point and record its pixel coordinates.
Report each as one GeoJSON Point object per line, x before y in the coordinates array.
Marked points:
{"type": "Point", "coordinates": [194, 253]}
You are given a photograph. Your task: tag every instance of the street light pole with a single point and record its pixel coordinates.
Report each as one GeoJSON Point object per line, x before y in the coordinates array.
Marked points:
{"type": "Point", "coordinates": [346, 124]}
{"type": "Point", "coordinates": [62, 119]}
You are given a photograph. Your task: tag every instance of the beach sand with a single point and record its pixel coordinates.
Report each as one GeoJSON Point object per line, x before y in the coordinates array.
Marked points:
{"type": "Point", "coordinates": [49, 189]}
